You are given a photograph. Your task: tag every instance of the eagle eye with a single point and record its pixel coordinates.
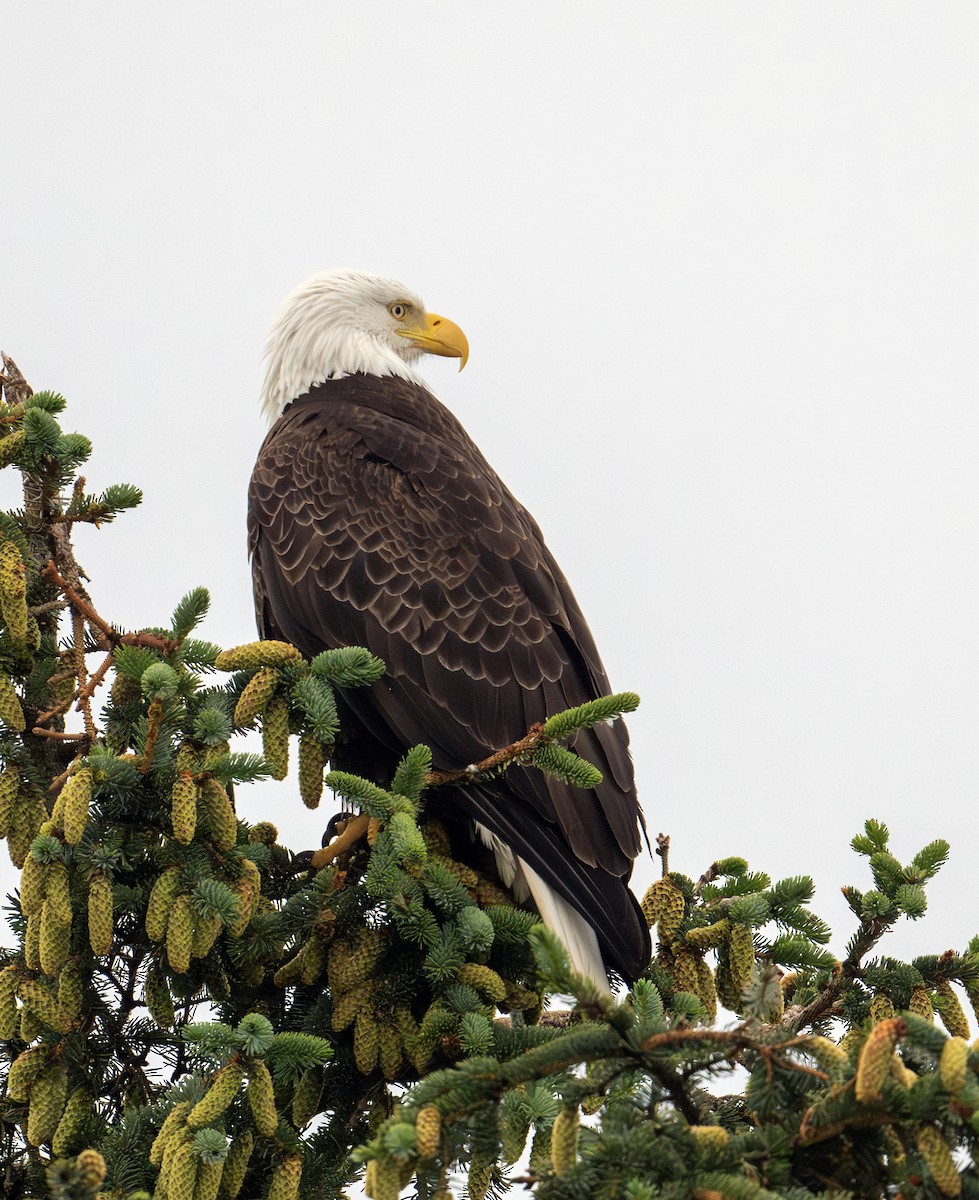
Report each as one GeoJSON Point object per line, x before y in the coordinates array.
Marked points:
{"type": "Point", "coordinates": [398, 310]}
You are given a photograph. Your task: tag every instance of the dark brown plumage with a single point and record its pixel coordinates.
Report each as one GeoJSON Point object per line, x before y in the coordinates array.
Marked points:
{"type": "Point", "coordinates": [374, 520]}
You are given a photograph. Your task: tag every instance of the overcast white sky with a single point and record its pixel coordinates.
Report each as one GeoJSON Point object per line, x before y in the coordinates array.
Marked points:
{"type": "Point", "coordinates": [719, 268]}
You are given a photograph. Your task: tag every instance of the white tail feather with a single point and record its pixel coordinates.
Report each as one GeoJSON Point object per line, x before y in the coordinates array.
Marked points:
{"type": "Point", "coordinates": [557, 914]}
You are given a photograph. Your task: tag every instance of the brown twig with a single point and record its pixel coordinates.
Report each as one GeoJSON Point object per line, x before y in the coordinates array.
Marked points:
{"type": "Point", "coordinates": [15, 386]}
{"type": "Point", "coordinates": [516, 752]}
{"type": "Point", "coordinates": [59, 736]}
{"type": "Point", "coordinates": [663, 850]}
{"type": "Point", "coordinates": [154, 719]}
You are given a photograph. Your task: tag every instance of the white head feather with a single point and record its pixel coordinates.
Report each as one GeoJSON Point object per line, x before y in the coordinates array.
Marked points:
{"type": "Point", "coordinates": [336, 323]}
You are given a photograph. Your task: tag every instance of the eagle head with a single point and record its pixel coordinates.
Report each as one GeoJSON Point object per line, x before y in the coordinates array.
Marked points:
{"type": "Point", "coordinates": [346, 322]}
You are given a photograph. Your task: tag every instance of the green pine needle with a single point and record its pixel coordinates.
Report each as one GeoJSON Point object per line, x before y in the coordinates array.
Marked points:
{"type": "Point", "coordinates": [190, 611]}
{"type": "Point", "coordinates": [348, 666]}
{"type": "Point", "coordinates": [606, 708]}
{"type": "Point", "coordinates": [567, 766]}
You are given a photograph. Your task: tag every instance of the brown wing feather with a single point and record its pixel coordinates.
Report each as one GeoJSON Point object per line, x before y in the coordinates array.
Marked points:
{"type": "Point", "coordinates": [374, 520]}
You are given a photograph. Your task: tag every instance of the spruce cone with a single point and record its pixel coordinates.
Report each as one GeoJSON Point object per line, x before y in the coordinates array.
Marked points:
{"type": "Point", "coordinates": [219, 1095]}
{"type": "Point", "coordinates": [256, 694]}
{"type": "Point", "coordinates": [275, 736]}
{"type": "Point", "coordinates": [9, 783]}
{"type": "Point", "coordinates": [934, 1150]}
{"type": "Point", "coordinates": [258, 654]}
{"type": "Point", "coordinates": [100, 924]}
{"type": "Point", "coordinates": [428, 1125]}
{"type": "Point", "coordinates": [77, 802]}
{"type": "Point", "coordinates": [564, 1141]}
{"type": "Point", "coordinates": [953, 1066]}
{"type": "Point", "coordinates": [91, 1169]}
{"type": "Point", "coordinates": [11, 712]}
{"type": "Point", "coordinates": [180, 934]}
{"type": "Point", "coordinates": [875, 1059]}
{"type": "Point", "coordinates": [183, 800]}
{"type": "Point", "coordinates": [236, 1164]}
{"type": "Point", "coordinates": [72, 1124]}
{"type": "Point", "coordinates": [312, 760]}
{"type": "Point", "coordinates": [286, 1178]}
{"type": "Point", "coordinates": [161, 900]}
{"type": "Point", "coordinates": [261, 1099]}
{"type": "Point", "coordinates": [47, 1103]}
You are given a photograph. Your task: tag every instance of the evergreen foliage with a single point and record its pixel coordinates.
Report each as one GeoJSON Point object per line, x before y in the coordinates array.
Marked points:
{"type": "Point", "coordinates": [188, 1009]}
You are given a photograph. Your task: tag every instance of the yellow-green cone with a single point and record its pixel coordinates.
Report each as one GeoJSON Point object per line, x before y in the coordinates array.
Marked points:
{"type": "Point", "coordinates": [953, 1066]}
{"type": "Point", "coordinates": [312, 760]}
{"type": "Point", "coordinates": [11, 712]}
{"type": "Point", "coordinates": [236, 1164]}
{"type": "Point", "coordinates": [707, 935]}
{"type": "Point", "coordinates": [920, 1004]}
{"type": "Point", "coordinates": [741, 956]}
{"type": "Point", "coordinates": [77, 795]}
{"type": "Point", "coordinates": [27, 814]}
{"type": "Point", "coordinates": [389, 1056]}
{"type": "Point", "coordinates": [32, 942]}
{"type": "Point", "coordinates": [182, 1179]}
{"type": "Point", "coordinates": [428, 1125]}
{"type": "Point", "coordinates": [180, 934]}
{"type": "Point", "coordinates": [47, 1102]}
{"type": "Point", "coordinates": [55, 940]}
{"type": "Point", "coordinates": [100, 914]}
{"type": "Point", "coordinates": [564, 1140]}
{"type": "Point", "coordinates": [685, 972]}
{"type": "Point", "coordinates": [183, 808]}
{"type": "Point", "coordinates": [663, 905]}
{"type": "Point", "coordinates": [79, 1108]}
{"type": "Point", "coordinates": [162, 896]}
{"type": "Point", "coordinates": [874, 1064]}
{"type": "Point", "coordinates": [32, 886]}
{"type": "Point", "coordinates": [256, 694]}
{"type": "Point", "coordinates": [13, 576]}
{"type": "Point", "coordinates": [157, 998]}
{"type": "Point", "coordinates": [25, 1069]}
{"type": "Point", "coordinates": [832, 1058]}
{"type": "Point", "coordinates": [71, 995]}
{"type": "Point", "coordinates": [206, 931]}
{"type": "Point", "coordinates": [57, 892]}
{"type": "Point", "coordinates": [483, 979]}
{"type": "Point", "coordinates": [8, 1002]}
{"type": "Point", "coordinates": [219, 813]}
{"type": "Point", "coordinates": [9, 783]}
{"type": "Point", "coordinates": [881, 1009]}
{"type": "Point", "coordinates": [365, 1041]}
{"type": "Point", "coordinates": [706, 989]}
{"type": "Point", "coordinates": [950, 1009]}
{"type": "Point", "coordinates": [208, 1180]}
{"type": "Point", "coordinates": [261, 1099]}
{"type": "Point", "coordinates": [306, 1099]}
{"type": "Point", "coordinates": [174, 1122]}
{"type": "Point", "coordinates": [478, 1180]}
{"type": "Point", "coordinates": [275, 736]}
{"type": "Point", "coordinates": [935, 1151]}
{"type": "Point", "coordinates": [39, 999]}
{"type": "Point", "coordinates": [218, 1096]}
{"type": "Point", "coordinates": [710, 1137]}
{"type": "Point", "coordinates": [91, 1169]}
{"type": "Point", "coordinates": [11, 446]}
{"type": "Point", "coordinates": [286, 1178]}
{"type": "Point", "coordinates": [258, 654]}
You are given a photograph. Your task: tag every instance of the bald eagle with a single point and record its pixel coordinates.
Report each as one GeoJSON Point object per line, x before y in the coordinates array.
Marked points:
{"type": "Point", "coordinates": [374, 520]}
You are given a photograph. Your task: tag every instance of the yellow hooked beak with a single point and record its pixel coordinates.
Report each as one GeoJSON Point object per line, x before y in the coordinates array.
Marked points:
{"type": "Point", "coordinates": [439, 335]}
